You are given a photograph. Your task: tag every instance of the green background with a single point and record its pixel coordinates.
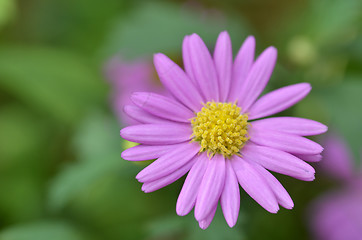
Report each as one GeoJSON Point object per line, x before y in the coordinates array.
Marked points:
{"type": "Point", "coordinates": [61, 174]}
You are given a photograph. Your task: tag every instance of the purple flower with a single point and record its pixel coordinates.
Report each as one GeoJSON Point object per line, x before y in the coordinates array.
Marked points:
{"type": "Point", "coordinates": [210, 129]}
{"type": "Point", "coordinates": [337, 215]}
{"type": "Point", "coordinates": [127, 77]}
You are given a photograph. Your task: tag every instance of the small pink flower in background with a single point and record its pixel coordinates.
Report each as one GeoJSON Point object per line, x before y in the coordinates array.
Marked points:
{"type": "Point", "coordinates": [127, 77]}
{"type": "Point", "coordinates": [211, 130]}
{"type": "Point", "coordinates": [338, 215]}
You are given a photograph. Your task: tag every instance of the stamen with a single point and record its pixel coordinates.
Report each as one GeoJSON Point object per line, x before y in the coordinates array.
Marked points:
{"type": "Point", "coordinates": [220, 128]}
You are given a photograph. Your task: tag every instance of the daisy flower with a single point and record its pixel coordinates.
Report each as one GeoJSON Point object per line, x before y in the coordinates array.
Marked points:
{"type": "Point", "coordinates": [209, 128]}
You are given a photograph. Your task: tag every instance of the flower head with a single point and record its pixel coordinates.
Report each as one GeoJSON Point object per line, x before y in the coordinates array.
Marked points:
{"type": "Point", "coordinates": [209, 128]}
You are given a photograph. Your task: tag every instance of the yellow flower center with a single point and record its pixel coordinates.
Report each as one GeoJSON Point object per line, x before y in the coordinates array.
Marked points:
{"type": "Point", "coordinates": [220, 128]}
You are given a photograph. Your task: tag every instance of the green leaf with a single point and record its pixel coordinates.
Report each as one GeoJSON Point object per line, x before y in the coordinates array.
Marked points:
{"type": "Point", "coordinates": [54, 230]}
{"type": "Point", "coordinates": [55, 82]}
{"type": "Point", "coordinates": [155, 27]}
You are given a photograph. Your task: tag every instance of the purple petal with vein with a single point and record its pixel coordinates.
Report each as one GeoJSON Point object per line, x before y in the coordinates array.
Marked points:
{"type": "Point", "coordinates": [211, 187]}
{"type": "Point", "coordinates": [169, 162]}
{"type": "Point", "coordinates": [279, 161]}
{"type": "Point", "coordinates": [146, 152]}
{"type": "Point", "coordinates": [279, 100]}
{"type": "Point", "coordinates": [186, 56]}
{"type": "Point", "coordinates": [223, 59]}
{"type": "Point", "coordinates": [162, 107]}
{"type": "Point", "coordinates": [284, 141]}
{"type": "Point", "coordinates": [203, 69]}
{"type": "Point", "coordinates": [205, 223]}
{"type": "Point", "coordinates": [254, 184]}
{"type": "Point", "coordinates": [230, 196]}
{"type": "Point", "coordinates": [292, 125]}
{"type": "Point", "coordinates": [157, 134]}
{"type": "Point", "coordinates": [281, 194]}
{"type": "Point", "coordinates": [142, 116]}
{"type": "Point", "coordinates": [152, 186]}
{"type": "Point", "coordinates": [241, 67]}
{"type": "Point", "coordinates": [177, 82]}
{"type": "Point", "coordinates": [257, 79]}
{"type": "Point", "coordinates": [187, 198]}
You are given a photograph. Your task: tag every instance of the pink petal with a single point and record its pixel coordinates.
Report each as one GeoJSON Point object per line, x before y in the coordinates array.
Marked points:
{"type": "Point", "coordinates": [292, 125]}
{"type": "Point", "coordinates": [278, 161]}
{"type": "Point", "coordinates": [168, 179]}
{"type": "Point", "coordinates": [157, 134]}
{"type": "Point", "coordinates": [203, 69]}
{"type": "Point", "coordinates": [337, 158]}
{"type": "Point", "coordinates": [146, 152]}
{"type": "Point", "coordinates": [211, 187]}
{"type": "Point", "coordinates": [205, 223]}
{"type": "Point", "coordinates": [169, 162]}
{"type": "Point", "coordinates": [186, 56]}
{"type": "Point", "coordinates": [161, 106]}
{"type": "Point", "coordinates": [241, 67]}
{"type": "Point", "coordinates": [230, 196]}
{"type": "Point", "coordinates": [141, 115]}
{"type": "Point", "coordinates": [279, 100]}
{"type": "Point", "coordinates": [254, 184]}
{"type": "Point", "coordinates": [257, 79]}
{"type": "Point", "coordinates": [309, 158]}
{"type": "Point", "coordinates": [284, 141]}
{"type": "Point", "coordinates": [280, 193]}
{"type": "Point", "coordinates": [223, 59]}
{"type": "Point", "coordinates": [177, 82]}
{"type": "Point", "coordinates": [187, 198]}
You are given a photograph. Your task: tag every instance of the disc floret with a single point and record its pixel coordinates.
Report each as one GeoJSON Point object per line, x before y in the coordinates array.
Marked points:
{"type": "Point", "coordinates": [220, 128]}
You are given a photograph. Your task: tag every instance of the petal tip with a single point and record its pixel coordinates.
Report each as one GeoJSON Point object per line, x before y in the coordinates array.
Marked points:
{"type": "Point", "coordinates": [124, 155]}
{"type": "Point", "coordinates": [324, 128]}
{"type": "Point", "coordinates": [203, 224]}
{"type": "Point", "coordinates": [162, 63]}
{"type": "Point", "coordinates": [250, 40]}
{"type": "Point", "coordinates": [139, 176]}
{"type": "Point", "coordinates": [180, 211]}
{"type": "Point", "coordinates": [289, 206]}
{"type": "Point", "coordinates": [273, 210]}
{"type": "Point", "coordinates": [224, 34]}
{"type": "Point", "coordinates": [144, 188]}
{"type": "Point", "coordinates": [231, 222]}
{"type": "Point", "coordinates": [272, 52]}
{"type": "Point", "coordinates": [123, 133]}
{"type": "Point", "coordinates": [194, 35]}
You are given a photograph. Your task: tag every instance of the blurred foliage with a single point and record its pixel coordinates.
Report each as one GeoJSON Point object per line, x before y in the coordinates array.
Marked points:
{"type": "Point", "coordinates": [59, 83]}
{"type": "Point", "coordinates": [43, 231]}
{"type": "Point", "coordinates": [147, 30]}
{"type": "Point", "coordinates": [61, 174]}
{"type": "Point", "coordinates": [7, 11]}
